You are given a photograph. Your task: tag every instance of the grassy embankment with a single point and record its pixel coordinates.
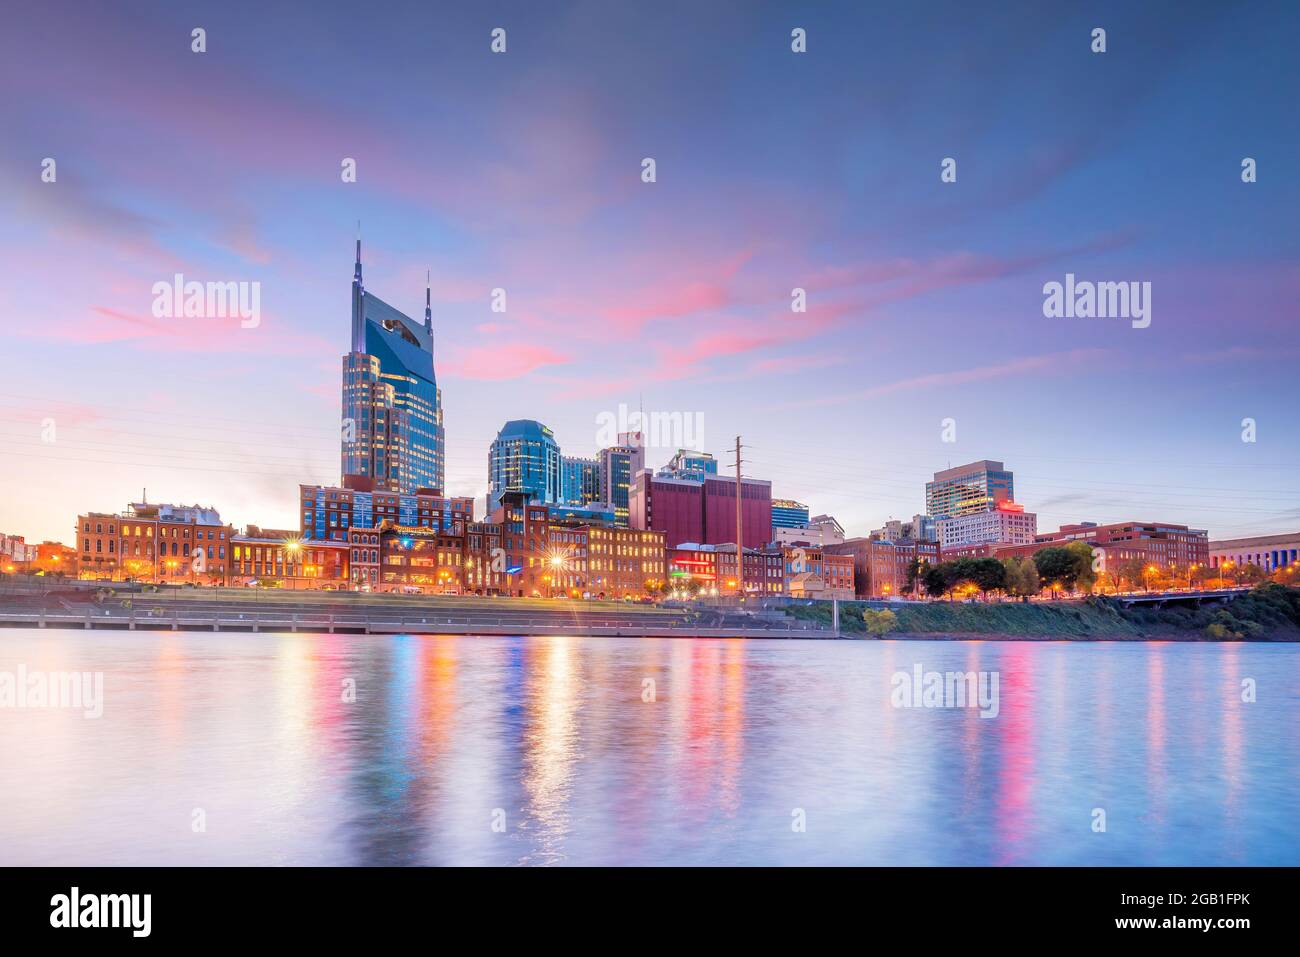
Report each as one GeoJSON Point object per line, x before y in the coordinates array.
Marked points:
{"type": "Point", "coordinates": [360, 601]}
{"type": "Point", "coordinates": [1268, 613]}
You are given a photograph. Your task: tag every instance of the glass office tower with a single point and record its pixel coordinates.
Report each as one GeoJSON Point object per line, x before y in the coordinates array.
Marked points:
{"type": "Point", "coordinates": [392, 431]}
{"type": "Point", "coordinates": [968, 489]}
{"type": "Point", "coordinates": [787, 513]}
{"type": "Point", "coordinates": [524, 457]}
{"type": "Point", "coordinates": [580, 480]}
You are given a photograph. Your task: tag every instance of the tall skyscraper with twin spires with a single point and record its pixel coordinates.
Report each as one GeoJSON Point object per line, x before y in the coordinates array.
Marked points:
{"type": "Point", "coordinates": [392, 430]}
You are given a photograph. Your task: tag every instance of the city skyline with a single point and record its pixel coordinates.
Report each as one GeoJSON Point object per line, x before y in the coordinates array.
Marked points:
{"type": "Point", "coordinates": [925, 301]}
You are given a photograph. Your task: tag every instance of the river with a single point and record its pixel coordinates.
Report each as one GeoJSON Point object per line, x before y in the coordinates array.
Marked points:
{"type": "Point", "coordinates": [332, 749]}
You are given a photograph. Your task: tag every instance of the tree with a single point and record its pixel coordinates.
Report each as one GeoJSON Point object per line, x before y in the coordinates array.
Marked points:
{"type": "Point", "coordinates": [1251, 574]}
{"type": "Point", "coordinates": [960, 571]}
{"type": "Point", "coordinates": [1084, 576]}
{"type": "Point", "coordinates": [1056, 566]}
{"type": "Point", "coordinates": [1133, 571]}
{"type": "Point", "coordinates": [988, 574]}
{"type": "Point", "coordinates": [1021, 577]}
{"type": "Point", "coordinates": [916, 569]}
{"type": "Point", "coordinates": [879, 622]}
{"type": "Point", "coordinates": [935, 580]}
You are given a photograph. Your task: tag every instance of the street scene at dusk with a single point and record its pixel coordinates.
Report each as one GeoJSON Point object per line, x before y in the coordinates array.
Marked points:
{"type": "Point", "coordinates": [673, 435]}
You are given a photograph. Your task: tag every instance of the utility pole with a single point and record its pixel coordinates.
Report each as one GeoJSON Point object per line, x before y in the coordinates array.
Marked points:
{"type": "Point", "coordinates": [740, 534]}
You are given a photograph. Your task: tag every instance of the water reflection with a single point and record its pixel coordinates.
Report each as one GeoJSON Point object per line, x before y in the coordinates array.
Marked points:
{"type": "Point", "coordinates": [438, 750]}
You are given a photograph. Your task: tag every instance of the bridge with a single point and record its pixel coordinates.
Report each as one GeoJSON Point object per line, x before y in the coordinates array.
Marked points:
{"type": "Point", "coordinates": [1187, 597]}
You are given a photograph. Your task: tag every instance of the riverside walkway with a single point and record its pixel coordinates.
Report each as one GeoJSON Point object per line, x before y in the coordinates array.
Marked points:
{"type": "Point", "coordinates": [343, 613]}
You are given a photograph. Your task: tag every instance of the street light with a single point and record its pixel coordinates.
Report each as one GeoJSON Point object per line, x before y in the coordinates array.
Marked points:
{"type": "Point", "coordinates": [558, 562]}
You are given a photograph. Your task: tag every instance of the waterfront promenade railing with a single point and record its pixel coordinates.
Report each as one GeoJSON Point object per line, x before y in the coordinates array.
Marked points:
{"type": "Point", "coordinates": [172, 619]}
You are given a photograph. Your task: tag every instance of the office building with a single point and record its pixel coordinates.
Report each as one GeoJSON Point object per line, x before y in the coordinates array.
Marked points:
{"type": "Point", "coordinates": [1160, 543]}
{"type": "Point", "coordinates": [579, 480]}
{"type": "Point", "coordinates": [704, 511]}
{"type": "Point", "coordinates": [392, 431]}
{"type": "Point", "coordinates": [1269, 552]}
{"type": "Point", "coordinates": [624, 562]}
{"type": "Point", "coordinates": [921, 528]}
{"type": "Point", "coordinates": [787, 513]}
{"type": "Point", "coordinates": [1006, 524]}
{"type": "Point", "coordinates": [880, 566]}
{"type": "Point", "coordinates": [968, 489]}
{"type": "Point", "coordinates": [1174, 548]}
{"type": "Point", "coordinates": [619, 466]}
{"type": "Point", "coordinates": [686, 463]}
{"type": "Point", "coordinates": [524, 458]}
{"type": "Point", "coordinates": [811, 572]}
{"type": "Point", "coordinates": [279, 558]}
{"type": "Point", "coordinates": [154, 543]}
{"type": "Point", "coordinates": [328, 513]}
{"type": "Point", "coordinates": [711, 570]}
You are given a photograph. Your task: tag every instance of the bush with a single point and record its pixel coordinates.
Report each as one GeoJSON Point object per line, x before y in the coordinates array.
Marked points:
{"type": "Point", "coordinates": [879, 622]}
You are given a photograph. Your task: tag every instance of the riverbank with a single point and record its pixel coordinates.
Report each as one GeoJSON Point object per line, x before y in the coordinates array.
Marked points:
{"type": "Point", "coordinates": [1269, 612]}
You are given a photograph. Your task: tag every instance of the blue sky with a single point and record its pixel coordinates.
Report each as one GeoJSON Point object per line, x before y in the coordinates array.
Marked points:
{"type": "Point", "coordinates": [775, 170]}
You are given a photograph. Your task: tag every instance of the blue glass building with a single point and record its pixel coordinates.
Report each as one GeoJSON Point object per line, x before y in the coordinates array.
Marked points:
{"type": "Point", "coordinates": [524, 457]}
{"type": "Point", "coordinates": [579, 480]}
{"type": "Point", "coordinates": [393, 437]}
{"type": "Point", "coordinates": [787, 513]}
{"type": "Point", "coordinates": [689, 464]}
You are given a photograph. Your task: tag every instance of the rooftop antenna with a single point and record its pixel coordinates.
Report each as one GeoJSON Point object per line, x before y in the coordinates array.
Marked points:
{"type": "Point", "coordinates": [428, 301]}
{"type": "Point", "coordinates": [357, 274]}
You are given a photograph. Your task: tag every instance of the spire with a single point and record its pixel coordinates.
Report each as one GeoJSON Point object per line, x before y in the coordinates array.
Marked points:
{"type": "Point", "coordinates": [356, 275]}
{"type": "Point", "coordinates": [358, 302]}
{"type": "Point", "coordinates": [428, 300]}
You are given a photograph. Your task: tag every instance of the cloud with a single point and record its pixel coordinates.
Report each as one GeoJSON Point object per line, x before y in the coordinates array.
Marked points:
{"type": "Point", "coordinates": [507, 360]}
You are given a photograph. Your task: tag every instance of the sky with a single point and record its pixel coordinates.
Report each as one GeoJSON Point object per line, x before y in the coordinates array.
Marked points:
{"type": "Point", "coordinates": [924, 342]}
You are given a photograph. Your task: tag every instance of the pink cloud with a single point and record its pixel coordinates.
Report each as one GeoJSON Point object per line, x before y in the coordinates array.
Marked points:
{"type": "Point", "coordinates": [501, 361]}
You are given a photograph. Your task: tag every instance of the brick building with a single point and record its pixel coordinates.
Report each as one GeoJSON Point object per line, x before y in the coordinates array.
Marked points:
{"type": "Point", "coordinates": [156, 543]}
{"type": "Point", "coordinates": [329, 513]}
{"type": "Point", "coordinates": [280, 558]}
{"type": "Point", "coordinates": [880, 567]}
{"type": "Point", "coordinates": [700, 509]}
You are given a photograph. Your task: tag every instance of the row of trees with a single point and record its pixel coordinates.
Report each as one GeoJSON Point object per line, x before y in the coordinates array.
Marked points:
{"type": "Point", "coordinates": [1068, 568]}
{"type": "Point", "coordinates": [1071, 568]}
